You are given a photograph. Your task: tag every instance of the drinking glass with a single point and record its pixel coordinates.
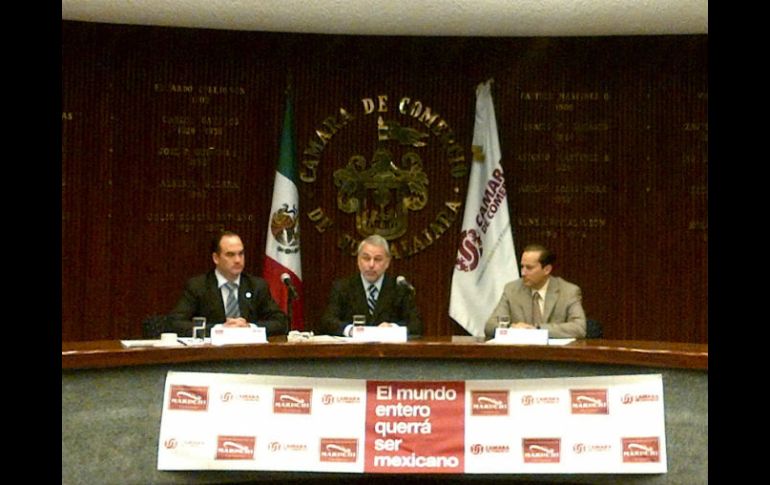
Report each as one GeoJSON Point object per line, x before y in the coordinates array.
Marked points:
{"type": "Point", "coordinates": [199, 328]}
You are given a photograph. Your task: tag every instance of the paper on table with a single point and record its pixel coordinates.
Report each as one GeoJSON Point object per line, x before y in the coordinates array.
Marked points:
{"type": "Point", "coordinates": [330, 339]}
{"type": "Point", "coordinates": [520, 336]}
{"type": "Point", "coordinates": [560, 341]}
{"type": "Point", "coordinates": [551, 341]}
{"type": "Point", "coordinates": [181, 342]}
{"type": "Point", "coordinates": [191, 342]}
{"type": "Point", "coordinates": [139, 343]}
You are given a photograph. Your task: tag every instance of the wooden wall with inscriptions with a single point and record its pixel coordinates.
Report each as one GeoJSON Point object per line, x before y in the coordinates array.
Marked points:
{"type": "Point", "coordinates": [170, 134]}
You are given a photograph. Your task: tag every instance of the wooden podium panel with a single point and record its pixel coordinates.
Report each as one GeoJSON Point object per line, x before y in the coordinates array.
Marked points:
{"type": "Point", "coordinates": [107, 353]}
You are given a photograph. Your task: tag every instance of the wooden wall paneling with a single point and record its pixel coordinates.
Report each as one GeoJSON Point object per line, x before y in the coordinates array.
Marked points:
{"type": "Point", "coordinates": [604, 148]}
{"type": "Point", "coordinates": [86, 184]}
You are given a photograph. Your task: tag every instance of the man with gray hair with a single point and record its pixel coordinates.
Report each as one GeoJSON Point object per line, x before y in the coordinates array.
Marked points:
{"type": "Point", "coordinates": [371, 292]}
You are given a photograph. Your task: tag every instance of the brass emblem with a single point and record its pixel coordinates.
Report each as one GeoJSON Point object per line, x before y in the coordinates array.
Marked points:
{"type": "Point", "coordinates": [392, 130]}
{"type": "Point", "coordinates": [382, 191]}
{"type": "Point", "coordinates": [381, 194]}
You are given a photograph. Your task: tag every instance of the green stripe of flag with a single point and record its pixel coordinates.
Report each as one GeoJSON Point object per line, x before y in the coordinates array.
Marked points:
{"type": "Point", "coordinates": [287, 158]}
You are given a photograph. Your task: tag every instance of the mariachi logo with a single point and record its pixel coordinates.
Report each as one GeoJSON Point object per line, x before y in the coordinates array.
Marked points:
{"type": "Point", "coordinates": [292, 401]}
{"type": "Point", "coordinates": [381, 185]}
{"type": "Point", "coordinates": [641, 450]}
{"type": "Point", "coordinates": [284, 226]}
{"type": "Point", "coordinates": [189, 398]}
{"type": "Point", "coordinates": [235, 447]}
{"type": "Point", "coordinates": [339, 450]}
{"type": "Point", "coordinates": [541, 450]}
{"type": "Point", "coordinates": [589, 401]}
{"type": "Point", "coordinates": [489, 403]}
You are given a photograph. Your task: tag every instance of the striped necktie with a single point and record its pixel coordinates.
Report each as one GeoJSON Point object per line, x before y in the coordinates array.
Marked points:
{"type": "Point", "coordinates": [372, 299]}
{"type": "Point", "coordinates": [231, 307]}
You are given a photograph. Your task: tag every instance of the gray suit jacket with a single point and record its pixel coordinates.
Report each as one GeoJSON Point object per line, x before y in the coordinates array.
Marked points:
{"type": "Point", "coordinates": [563, 314]}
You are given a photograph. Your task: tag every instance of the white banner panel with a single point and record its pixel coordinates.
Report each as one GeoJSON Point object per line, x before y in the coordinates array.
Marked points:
{"type": "Point", "coordinates": [606, 424]}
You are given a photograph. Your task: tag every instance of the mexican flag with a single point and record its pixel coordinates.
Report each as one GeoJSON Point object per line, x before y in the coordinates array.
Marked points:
{"type": "Point", "coordinates": [282, 249]}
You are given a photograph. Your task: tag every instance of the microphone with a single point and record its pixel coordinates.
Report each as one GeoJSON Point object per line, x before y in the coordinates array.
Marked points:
{"type": "Point", "coordinates": [286, 279]}
{"type": "Point", "coordinates": [403, 282]}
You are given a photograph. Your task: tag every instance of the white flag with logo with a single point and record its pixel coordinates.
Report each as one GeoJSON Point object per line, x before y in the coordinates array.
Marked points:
{"type": "Point", "coordinates": [486, 258]}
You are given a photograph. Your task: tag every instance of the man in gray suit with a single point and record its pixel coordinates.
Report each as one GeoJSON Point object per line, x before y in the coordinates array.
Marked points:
{"type": "Point", "coordinates": [539, 300]}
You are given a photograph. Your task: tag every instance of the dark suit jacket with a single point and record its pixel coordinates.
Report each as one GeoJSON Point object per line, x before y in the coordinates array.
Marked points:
{"type": "Point", "coordinates": [563, 314]}
{"type": "Point", "coordinates": [202, 298]}
{"type": "Point", "coordinates": [395, 304]}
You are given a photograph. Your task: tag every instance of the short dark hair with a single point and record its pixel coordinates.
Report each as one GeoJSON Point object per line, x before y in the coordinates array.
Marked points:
{"type": "Point", "coordinates": [546, 256]}
{"type": "Point", "coordinates": [215, 247]}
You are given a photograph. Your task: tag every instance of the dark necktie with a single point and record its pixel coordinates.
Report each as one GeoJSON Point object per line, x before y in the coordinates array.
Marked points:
{"type": "Point", "coordinates": [372, 299]}
{"type": "Point", "coordinates": [537, 316]}
{"type": "Point", "coordinates": [231, 307]}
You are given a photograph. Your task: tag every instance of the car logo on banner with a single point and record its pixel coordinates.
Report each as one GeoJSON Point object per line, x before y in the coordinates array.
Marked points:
{"type": "Point", "coordinates": [189, 398]}
{"type": "Point", "coordinates": [541, 450]}
{"type": "Point", "coordinates": [489, 403]}
{"type": "Point", "coordinates": [641, 450]}
{"type": "Point", "coordinates": [235, 447]}
{"type": "Point", "coordinates": [292, 401]}
{"type": "Point", "coordinates": [339, 450]}
{"type": "Point", "coordinates": [589, 401]}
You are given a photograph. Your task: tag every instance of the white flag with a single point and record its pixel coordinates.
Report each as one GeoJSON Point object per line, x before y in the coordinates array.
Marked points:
{"type": "Point", "coordinates": [486, 258]}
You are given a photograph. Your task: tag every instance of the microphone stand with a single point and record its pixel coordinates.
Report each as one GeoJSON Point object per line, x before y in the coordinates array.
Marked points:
{"type": "Point", "coordinates": [289, 305]}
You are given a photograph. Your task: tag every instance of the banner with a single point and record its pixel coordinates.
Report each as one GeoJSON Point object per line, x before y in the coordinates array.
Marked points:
{"type": "Point", "coordinates": [486, 258]}
{"type": "Point", "coordinates": [603, 424]}
{"type": "Point", "coordinates": [282, 249]}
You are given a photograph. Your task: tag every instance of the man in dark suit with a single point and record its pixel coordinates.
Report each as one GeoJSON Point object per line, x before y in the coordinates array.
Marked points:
{"type": "Point", "coordinates": [372, 293]}
{"type": "Point", "coordinates": [540, 300]}
{"type": "Point", "coordinates": [208, 295]}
